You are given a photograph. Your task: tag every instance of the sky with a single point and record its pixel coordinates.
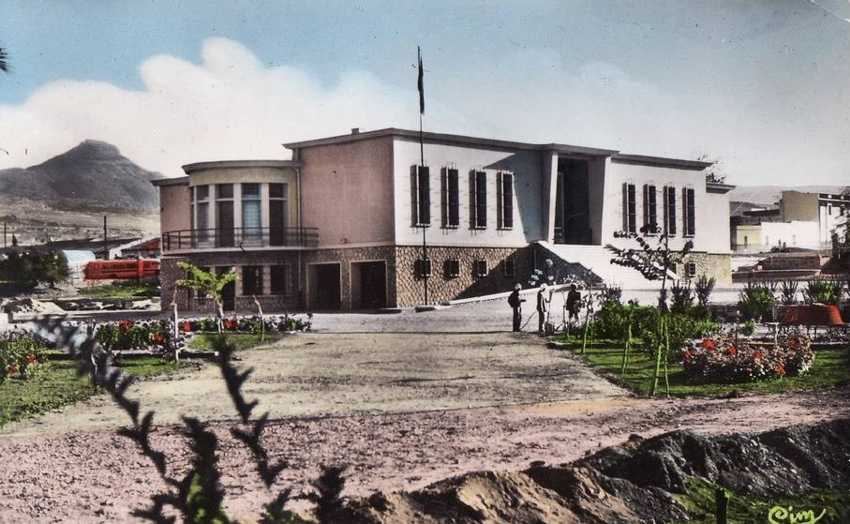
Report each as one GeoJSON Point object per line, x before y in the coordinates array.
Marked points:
{"type": "Point", "coordinates": [762, 86]}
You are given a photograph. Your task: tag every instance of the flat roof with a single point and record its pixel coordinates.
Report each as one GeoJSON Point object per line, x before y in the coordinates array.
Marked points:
{"type": "Point", "coordinates": [446, 138]}
{"type": "Point", "coordinates": [493, 143]}
{"type": "Point", "coordinates": [660, 161]}
{"type": "Point", "coordinates": [173, 181]}
{"type": "Point", "coordinates": [226, 164]}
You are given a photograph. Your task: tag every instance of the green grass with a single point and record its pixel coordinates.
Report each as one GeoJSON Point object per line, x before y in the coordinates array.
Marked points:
{"type": "Point", "coordinates": [122, 290]}
{"type": "Point", "coordinates": [57, 385]}
{"type": "Point", "coordinates": [699, 502]}
{"type": "Point", "coordinates": [831, 368]}
{"type": "Point", "coordinates": [242, 341]}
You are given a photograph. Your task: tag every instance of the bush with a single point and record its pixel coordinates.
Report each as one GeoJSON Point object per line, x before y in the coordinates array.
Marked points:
{"type": "Point", "coordinates": [788, 289]}
{"type": "Point", "coordinates": [822, 292]}
{"type": "Point", "coordinates": [755, 301]}
{"type": "Point", "coordinates": [722, 360]}
{"type": "Point", "coordinates": [703, 287]}
{"type": "Point", "coordinates": [683, 297]}
{"type": "Point", "coordinates": [611, 293]}
{"type": "Point", "coordinates": [21, 355]}
{"type": "Point", "coordinates": [748, 328]}
{"type": "Point", "coordinates": [29, 269]}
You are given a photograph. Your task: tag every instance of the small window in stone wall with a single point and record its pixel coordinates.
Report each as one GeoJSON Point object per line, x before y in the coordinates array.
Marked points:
{"type": "Point", "coordinates": [508, 267]}
{"type": "Point", "coordinates": [690, 270]}
{"type": "Point", "coordinates": [451, 268]}
{"type": "Point", "coordinates": [479, 269]}
{"type": "Point", "coordinates": [422, 267]}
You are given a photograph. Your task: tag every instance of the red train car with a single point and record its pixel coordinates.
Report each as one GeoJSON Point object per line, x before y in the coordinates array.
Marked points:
{"type": "Point", "coordinates": [121, 269]}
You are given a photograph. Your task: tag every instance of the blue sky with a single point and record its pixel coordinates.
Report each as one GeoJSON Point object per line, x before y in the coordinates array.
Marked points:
{"type": "Point", "coordinates": [762, 85]}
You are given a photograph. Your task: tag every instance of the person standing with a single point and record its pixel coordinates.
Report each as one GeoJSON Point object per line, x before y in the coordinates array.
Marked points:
{"type": "Point", "coordinates": [573, 303]}
{"type": "Point", "coordinates": [541, 309]}
{"type": "Point", "coordinates": [516, 304]}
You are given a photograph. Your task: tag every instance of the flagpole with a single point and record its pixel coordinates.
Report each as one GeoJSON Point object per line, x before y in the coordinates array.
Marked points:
{"type": "Point", "coordinates": [422, 165]}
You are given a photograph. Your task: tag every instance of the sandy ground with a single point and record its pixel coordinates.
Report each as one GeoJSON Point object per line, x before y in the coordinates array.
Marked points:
{"type": "Point", "coordinates": [401, 411]}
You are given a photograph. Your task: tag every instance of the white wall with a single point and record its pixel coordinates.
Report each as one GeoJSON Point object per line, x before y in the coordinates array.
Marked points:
{"type": "Point", "coordinates": [711, 209]}
{"type": "Point", "coordinates": [525, 165]}
{"type": "Point", "coordinates": [796, 233]}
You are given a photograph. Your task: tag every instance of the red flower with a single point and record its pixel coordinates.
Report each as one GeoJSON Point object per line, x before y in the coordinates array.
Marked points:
{"type": "Point", "coordinates": [32, 359]}
{"type": "Point", "coordinates": [158, 339]}
{"type": "Point", "coordinates": [709, 344]}
{"type": "Point", "coordinates": [187, 326]}
{"type": "Point", "coordinates": [758, 355]}
{"type": "Point", "coordinates": [125, 325]}
{"type": "Point", "coordinates": [732, 351]}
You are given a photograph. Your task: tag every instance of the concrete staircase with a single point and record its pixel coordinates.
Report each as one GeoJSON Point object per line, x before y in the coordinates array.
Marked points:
{"type": "Point", "coordinates": [598, 260]}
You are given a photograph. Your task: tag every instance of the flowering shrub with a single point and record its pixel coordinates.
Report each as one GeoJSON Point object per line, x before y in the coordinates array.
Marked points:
{"type": "Point", "coordinates": [282, 323]}
{"type": "Point", "coordinates": [721, 359]}
{"type": "Point", "coordinates": [21, 355]}
{"type": "Point", "coordinates": [126, 335]}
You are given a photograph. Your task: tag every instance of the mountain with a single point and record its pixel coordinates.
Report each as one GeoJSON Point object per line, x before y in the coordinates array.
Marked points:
{"type": "Point", "coordinates": [92, 176]}
{"type": "Point", "coordinates": [765, 195]}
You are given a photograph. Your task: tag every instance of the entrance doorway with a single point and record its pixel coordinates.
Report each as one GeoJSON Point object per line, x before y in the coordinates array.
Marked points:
{"type": "Point", "coordinates": [324, 286]}
{"type": "Point", "coordinates": [368, 285]}
{"type": "Point", "coordinates": [572, 204]}
{"type": "Point", "coordinates": [228, 293]}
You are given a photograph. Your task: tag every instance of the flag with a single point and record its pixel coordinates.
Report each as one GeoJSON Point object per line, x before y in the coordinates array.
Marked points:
{"type": "Point", "coordinates": [421, 83]}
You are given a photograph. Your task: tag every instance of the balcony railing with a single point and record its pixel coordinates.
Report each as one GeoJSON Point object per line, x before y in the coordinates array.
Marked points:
{"type": "Point", "coordinates": [240, 237]}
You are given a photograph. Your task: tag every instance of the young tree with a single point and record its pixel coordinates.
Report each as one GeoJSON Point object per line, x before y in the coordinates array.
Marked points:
{"type": "Point", "coordinates": [654, 263]}
{"type": "Point", "coordinates": [209, 283]}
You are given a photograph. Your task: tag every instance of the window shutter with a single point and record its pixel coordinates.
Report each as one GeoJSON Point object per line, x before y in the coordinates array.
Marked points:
{"type": "Point", "coordinates": [691, 216]}
{"type": "Point", "coordinates": [625, 207]}
{"type": "Point", "coordinates": [454, 200]}
{"type": "Point", "coordinates": [480, 188]}
{"type": "Point", "coordinates": [508, 196]}
{"type": "Point", "coordinates": [499, 201]}
{"type": "Point", "coordinates": [424, 196]}
{"type": "Point", "coordinates": [671, 211]}
{"type": "Point", "coordinates": [631, 208]}
{"type": "Point", "coordinates": [646, 207]}
{"type": "Point", "coordinates": [444, 197]}
{"type": "Point", "coordinates": [653, 210]}
{"type": "Point", "coordinates": [414, 196]}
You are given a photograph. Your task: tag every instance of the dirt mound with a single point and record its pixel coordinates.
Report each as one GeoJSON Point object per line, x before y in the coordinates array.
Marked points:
{"type": "Point", "coordinates": [634, 482]}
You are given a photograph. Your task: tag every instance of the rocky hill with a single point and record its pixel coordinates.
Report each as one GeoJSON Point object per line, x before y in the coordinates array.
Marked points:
{"type": "Point", "coordinates": [91, 176]}
{"type": "Point", "coordinates": [68, 195]}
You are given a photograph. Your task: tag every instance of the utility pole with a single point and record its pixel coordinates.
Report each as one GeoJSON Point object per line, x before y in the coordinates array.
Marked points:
{"type": "Point", "coordinates": [421, 86]}
{"type": "Point", "coordinates": [105, 241]}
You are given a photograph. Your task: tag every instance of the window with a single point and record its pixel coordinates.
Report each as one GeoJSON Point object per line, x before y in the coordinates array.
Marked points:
{"type": "Point", "coordinates": [478, 199]}
{"type": "Point", "coordinates": [450, 198]}
{"type": "Point", "coordinates": [252, 280]}
{"type": "Point", "coordinates": [279, 276]}
{"type": "Point", "coordinates": [629, 214]}
{"type": "Point", "coordinates": [251, 226]}
{"type": "Point", "coordinates": [505, 199]}
{"type": "Point", "coordinates": [202, 212]}
{"type": "Point", "coordinates": [509, 268]}
{"type": "Point", "coordinates": [479, 269]}
{"type": "Point", "coordinates": [670, 210]}
{"type": "Point", "coordinates": [278, 214]}
{"type": "Point", "coordinates": [650, 209]}
{"type": "Point", "coordinates": [451, 268]}
{"type": "Point", "coordinates": [690, 270]}
{"type": "Point", "coordinates": [421, 192]}
{"type": "Point", "coordinates": [422, 267]}
{"type": "Point", "coordinates": [224, 215]}
{"type": "Point", "coordinates": [688, 218]}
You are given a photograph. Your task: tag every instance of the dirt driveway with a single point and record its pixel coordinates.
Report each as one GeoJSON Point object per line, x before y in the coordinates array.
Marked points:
{"type": "Point", "coordinates": [329, 374]}
{"type": "Point", "coordinates": [401, 410]}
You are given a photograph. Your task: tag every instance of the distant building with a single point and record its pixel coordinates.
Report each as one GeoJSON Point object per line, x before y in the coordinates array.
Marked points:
{"type": "Point", "coordinates": [799, 220]}
{"type": "Point", "coordinates": [340, 226]}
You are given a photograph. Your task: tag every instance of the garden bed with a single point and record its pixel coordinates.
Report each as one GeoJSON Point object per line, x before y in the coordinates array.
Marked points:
{"type": "Point", "coordinates": [831, 368]}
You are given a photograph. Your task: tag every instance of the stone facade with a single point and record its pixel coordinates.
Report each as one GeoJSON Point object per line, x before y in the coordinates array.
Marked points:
{"type": "Point", "coordinates": [714, 265]}
{"type": "Point", "coordinates": [466, 284]}
{"type": "Point", "coordinates": [345, 257]}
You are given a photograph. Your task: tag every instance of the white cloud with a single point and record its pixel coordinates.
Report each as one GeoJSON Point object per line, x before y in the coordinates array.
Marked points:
{"type": "Point", "coordinates": [231, 106]}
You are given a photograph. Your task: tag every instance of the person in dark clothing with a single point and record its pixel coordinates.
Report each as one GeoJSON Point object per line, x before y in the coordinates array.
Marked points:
{"type": "Point", "coordinates": [541, 308]}
{"type": "Point", "coordinates": [573, 303]}
{"type": "Point", "coordinates": [516, 304]}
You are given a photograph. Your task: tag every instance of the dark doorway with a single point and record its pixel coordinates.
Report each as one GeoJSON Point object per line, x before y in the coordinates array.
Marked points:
{"type": "Point", "coordinates": [224, 223]}
{"type": "Point", "coordinates": [369, 285]}
{"type": "Point", "coordinates": [228, 294]}
{"type": "Point", "coordinates": [572, 204]}
{"type": "Point", "coordinates": [324, 286]}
